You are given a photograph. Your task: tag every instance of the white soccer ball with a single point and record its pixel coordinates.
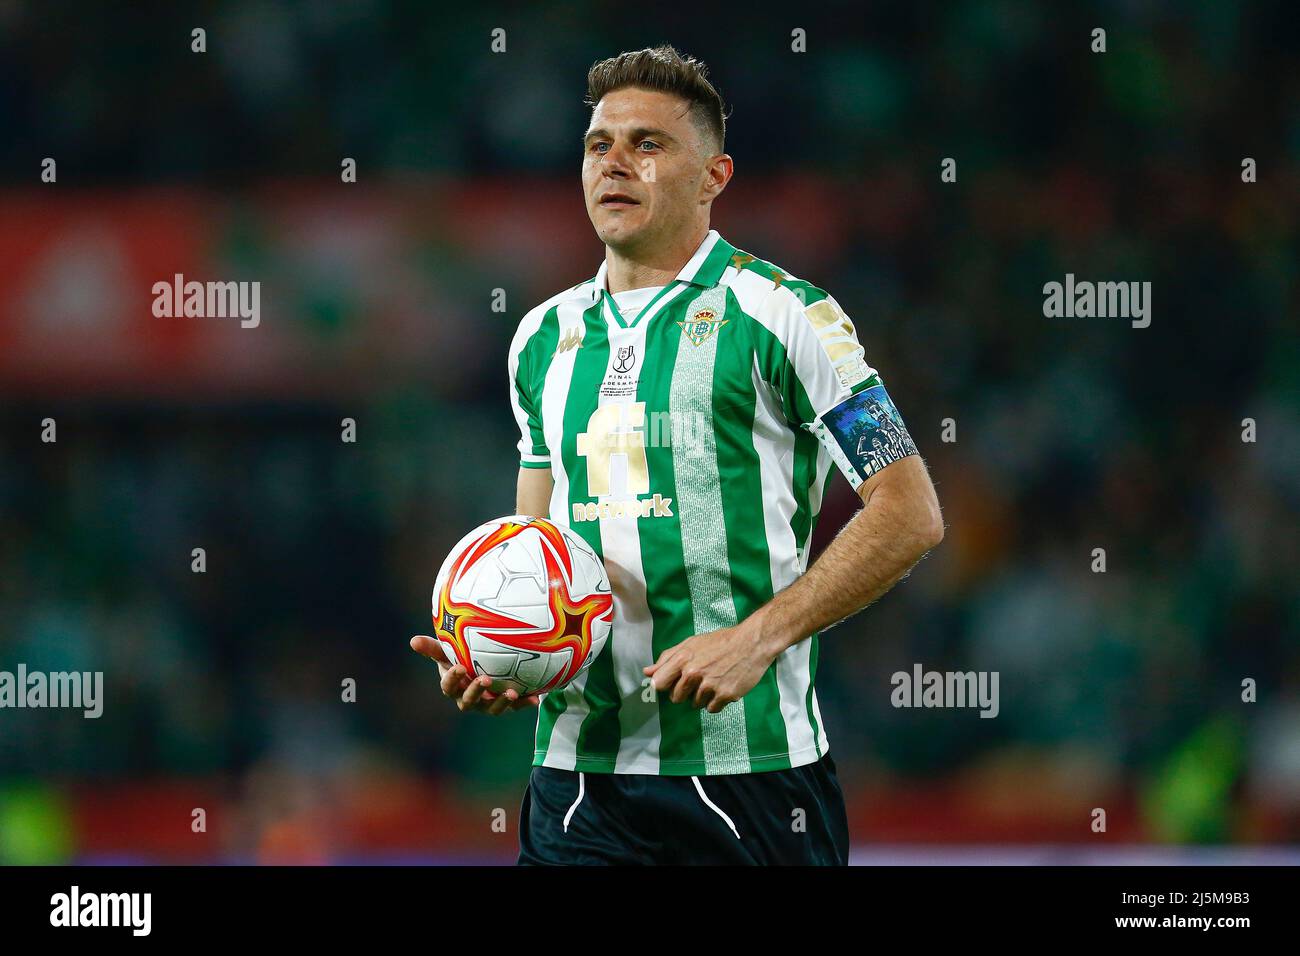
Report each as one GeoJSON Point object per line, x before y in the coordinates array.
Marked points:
{"type": "Point", "coordinates": [524, 601]}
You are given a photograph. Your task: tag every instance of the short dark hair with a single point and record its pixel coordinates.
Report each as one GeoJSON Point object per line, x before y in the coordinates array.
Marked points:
{"type": "Point", "coordinates": [663, 70]}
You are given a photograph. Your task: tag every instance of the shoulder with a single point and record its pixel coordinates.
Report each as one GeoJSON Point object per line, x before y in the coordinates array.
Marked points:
{"type": "Point", "coordinates": [546, 314]}
{"type": "Point", "coordinates": [813, 331]}
{"type": "Point", "coordinates": [774, 296]}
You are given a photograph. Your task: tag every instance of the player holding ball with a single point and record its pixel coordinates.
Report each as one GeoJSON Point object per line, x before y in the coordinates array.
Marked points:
{"type": "Point", "coordinates": [680, 413]}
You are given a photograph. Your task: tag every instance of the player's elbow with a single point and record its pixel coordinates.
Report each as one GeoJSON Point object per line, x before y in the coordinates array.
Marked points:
{"type": "Point", "coordinates": [926, 526]}
{"type": "Point", "coordinates": [933, 532]}
{"type": "Point", "coordinates": [905, 498]}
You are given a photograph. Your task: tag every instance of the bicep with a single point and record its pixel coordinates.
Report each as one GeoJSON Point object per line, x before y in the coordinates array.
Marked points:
{"type": "Point", "coordinates": [906, 478]}
{"type": "Point", "coordinates": [533, 496]}
{"type": "Point", "coordinates": [905, 489]}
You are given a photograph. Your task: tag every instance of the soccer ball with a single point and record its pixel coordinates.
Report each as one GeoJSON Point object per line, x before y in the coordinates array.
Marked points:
{"type": "Point", "coordinates": [525, 602]}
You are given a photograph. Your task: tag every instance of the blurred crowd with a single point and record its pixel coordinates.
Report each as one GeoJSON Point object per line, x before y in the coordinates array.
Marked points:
{"type": "Point", "coordinates": [1048, 438]}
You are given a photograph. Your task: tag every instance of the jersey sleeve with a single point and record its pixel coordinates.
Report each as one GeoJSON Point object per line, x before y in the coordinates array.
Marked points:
{"type": "Point", "coordinates": [526, 405]}
{"type": "Point", "coordinates": [819, 370]}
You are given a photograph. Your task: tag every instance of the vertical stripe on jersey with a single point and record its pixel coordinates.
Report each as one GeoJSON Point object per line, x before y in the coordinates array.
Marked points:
{"type": "Point", "coordinates": [824, 475]}
{"type": "Point", "coordinates": [631, 647]}
{"type": "Point", "coordinates": [807, 450]}
{"type": "Point", "coordinates": [597, 739]}
{"type": "Point", "coordinates": [680, 748]}
{"type": "Point", "coordinates": [703, 525]}
{"type": "Point", "coordinates": [814, 715]}
{"type": "Point", "coordinates": [740, 471]}
{"type": "Point", "coordinates": [554, 382]}
{"type": "Point", "coordinates": [778, 497]}
{"type": "Point", "coordinates": [533, 369]}
{"type": "Point", "coordinates": [562, 714]}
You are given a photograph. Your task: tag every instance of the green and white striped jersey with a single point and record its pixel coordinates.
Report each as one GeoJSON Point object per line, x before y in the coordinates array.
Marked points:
{"type": "Point", "coordinates": [691, 446]}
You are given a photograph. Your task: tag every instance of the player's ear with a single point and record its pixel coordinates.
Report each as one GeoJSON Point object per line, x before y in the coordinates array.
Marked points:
{"type": "Point", "coordinates": [718, 174]}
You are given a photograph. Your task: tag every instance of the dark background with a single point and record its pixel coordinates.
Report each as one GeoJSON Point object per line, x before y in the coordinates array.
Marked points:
{"type": "Point", "coordinates": [1119, 690]}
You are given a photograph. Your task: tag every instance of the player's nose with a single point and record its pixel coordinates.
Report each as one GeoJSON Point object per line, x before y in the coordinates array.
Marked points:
{"type": "Point", "coordinates": [616, 164]}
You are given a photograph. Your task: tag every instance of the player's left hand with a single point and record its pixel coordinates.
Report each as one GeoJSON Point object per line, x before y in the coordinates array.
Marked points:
{"type": "Point", "coordinates": [711, 670]}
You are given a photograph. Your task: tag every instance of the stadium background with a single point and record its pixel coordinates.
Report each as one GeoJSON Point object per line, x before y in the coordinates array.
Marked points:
{"type": "Point", "coordinates": [1118, 690]}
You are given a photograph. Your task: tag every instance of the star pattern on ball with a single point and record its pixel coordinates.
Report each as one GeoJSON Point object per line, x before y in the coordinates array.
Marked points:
{"type": "Point", "coordinates": [571, 620]}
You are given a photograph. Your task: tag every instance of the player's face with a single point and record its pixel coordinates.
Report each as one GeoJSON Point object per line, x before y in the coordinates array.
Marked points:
{"type": "Point", "coordinates": [644, 168]}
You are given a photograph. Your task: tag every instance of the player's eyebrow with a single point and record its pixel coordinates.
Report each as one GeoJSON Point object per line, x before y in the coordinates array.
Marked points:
{"type": "Point", "coordinates": [639, 133]}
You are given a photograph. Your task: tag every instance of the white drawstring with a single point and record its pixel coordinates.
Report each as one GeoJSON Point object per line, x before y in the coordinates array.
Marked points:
{"type": "Point", "coordinates": [713, 806]}
{"type": "Point", "coordinates": [582, 788]}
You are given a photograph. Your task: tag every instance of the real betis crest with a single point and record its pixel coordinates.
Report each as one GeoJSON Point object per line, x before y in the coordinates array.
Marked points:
{"type": "Point", "coordinates": [701, 325]}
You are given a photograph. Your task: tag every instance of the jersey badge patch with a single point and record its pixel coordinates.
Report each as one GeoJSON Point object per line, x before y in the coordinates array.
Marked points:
{"type": "Point", "coordinates": [701, 325]}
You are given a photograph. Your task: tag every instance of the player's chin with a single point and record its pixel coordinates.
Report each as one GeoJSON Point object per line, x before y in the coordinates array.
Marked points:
{"type": "Point", "coordinates": [618, 225]}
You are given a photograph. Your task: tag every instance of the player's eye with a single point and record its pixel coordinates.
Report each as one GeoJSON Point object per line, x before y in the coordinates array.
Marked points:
{"type": "Point", "coordinates": [648, 142]}
{"type": "Point", "coordinates": [599, 147]}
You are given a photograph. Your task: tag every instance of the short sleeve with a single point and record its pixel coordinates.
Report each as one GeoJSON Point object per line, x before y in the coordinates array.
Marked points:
{"type": "Point", "coordinates": [526, 405]}
{"type": "Point", "coordinates": [827, 387]}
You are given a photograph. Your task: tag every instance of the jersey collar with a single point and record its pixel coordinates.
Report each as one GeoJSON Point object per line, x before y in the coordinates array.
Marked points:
{"type": "Point", "coordinates": [704, 268]}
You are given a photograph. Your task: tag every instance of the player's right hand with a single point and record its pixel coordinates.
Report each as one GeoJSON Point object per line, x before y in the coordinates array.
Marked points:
{"type": "Point", "coordinates": [469, 694]}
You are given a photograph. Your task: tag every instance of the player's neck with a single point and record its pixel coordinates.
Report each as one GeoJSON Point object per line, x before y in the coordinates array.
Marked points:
{"type": "Point", "coordinates": [646, 268]}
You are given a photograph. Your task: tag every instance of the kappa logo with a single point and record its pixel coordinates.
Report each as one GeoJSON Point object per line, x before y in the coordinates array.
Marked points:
{"type": "Point", "coordinates": [626, 359]}
{"type": "Point", "coordinates": [701, 325]}
{"type": "Point", "coordinates": [571, 339]}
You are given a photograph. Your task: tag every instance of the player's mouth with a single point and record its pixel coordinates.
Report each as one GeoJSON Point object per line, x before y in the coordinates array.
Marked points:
{"type": "Point", "coordinates": [617, 201]}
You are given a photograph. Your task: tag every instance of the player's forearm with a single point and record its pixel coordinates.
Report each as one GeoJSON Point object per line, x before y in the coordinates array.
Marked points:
{"type": "Point", "coordinates": [882, 542]}
{"type": "Point", "coordinates": [533, 495]}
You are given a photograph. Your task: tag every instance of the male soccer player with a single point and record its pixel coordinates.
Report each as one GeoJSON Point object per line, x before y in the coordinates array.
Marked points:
{"type": "Point", "coordinates": [681, 411]}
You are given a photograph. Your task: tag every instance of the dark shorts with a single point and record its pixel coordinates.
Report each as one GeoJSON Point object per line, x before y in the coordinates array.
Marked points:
{"type": "Point", "coordinates": [779, 817]}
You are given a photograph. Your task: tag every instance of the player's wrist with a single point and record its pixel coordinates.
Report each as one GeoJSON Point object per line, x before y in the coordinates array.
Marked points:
{"type": "Point", "coordinates": [773, 633]}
